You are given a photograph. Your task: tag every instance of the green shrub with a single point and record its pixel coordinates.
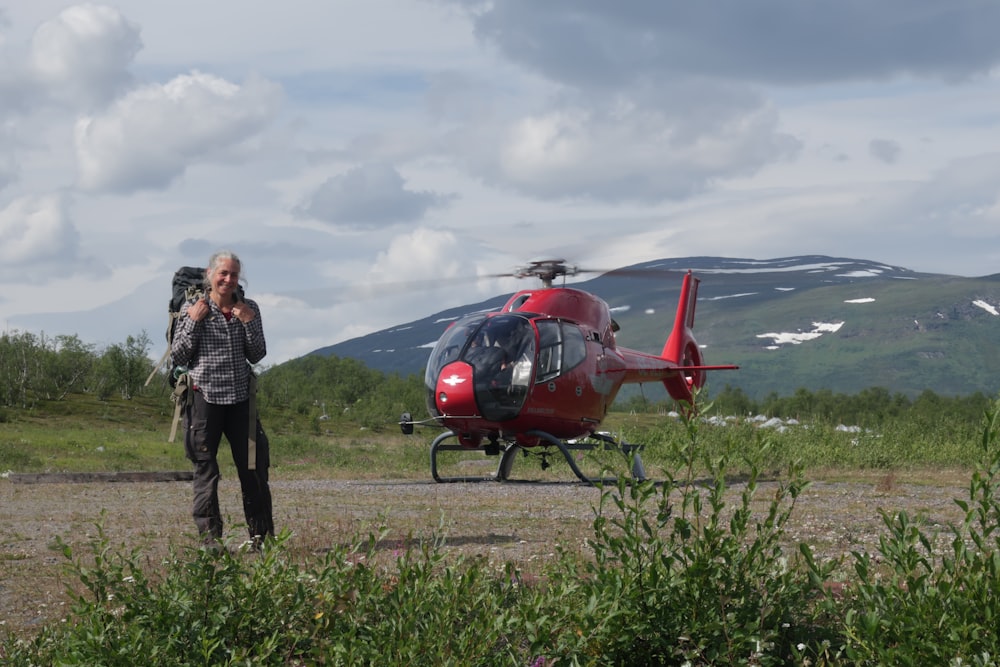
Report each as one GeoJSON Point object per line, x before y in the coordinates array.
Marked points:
{"type": "Point", "coordinates": [236, 607]}
{"type": "Point", "coordinates": [933, 601]}
{"type": "Point", "coordinates": [678, 578]}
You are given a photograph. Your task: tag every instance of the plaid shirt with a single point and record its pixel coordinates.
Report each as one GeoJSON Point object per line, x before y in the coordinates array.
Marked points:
{"type": "Point", "coordinates": [216, 352]}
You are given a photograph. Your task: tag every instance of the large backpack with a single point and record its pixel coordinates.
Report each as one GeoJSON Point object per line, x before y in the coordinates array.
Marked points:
{"type": "Point", "coordinates": [188, 285]}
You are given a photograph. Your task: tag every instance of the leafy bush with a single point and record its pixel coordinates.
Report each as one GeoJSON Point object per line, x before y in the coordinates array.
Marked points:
{"type": "Point", "coordinates": [234, 607]}
{"type": "Point", "coordinates": [679, 578]}
{"type": "Point", "coordinates": [932, 600]}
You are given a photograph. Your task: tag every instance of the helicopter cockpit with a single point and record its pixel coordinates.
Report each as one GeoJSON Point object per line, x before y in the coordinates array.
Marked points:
{"type": "Point", "coordinates": [501, 353]}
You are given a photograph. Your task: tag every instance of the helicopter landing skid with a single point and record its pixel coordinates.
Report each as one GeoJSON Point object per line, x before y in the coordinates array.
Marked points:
{"type": "Point", "coordinates": [509, 453]}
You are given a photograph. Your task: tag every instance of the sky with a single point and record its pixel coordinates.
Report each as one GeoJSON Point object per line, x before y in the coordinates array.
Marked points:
{"type": "Point", "coordinates": [373, 162]}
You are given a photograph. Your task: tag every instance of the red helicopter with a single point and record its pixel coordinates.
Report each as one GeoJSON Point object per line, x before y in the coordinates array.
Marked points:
{"type": "Point", "coordinates": [543, 371]}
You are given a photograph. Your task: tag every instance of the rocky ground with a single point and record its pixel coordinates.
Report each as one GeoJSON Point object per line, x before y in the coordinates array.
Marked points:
{"type": "Point", "coordinates": [521, 522]}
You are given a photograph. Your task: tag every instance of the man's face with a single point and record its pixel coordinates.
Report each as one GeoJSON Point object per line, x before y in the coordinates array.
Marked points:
{"type": "Point", "coordinates": [226, 277]}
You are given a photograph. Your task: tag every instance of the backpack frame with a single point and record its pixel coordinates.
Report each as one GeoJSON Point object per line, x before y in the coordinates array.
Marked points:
{"type": "Point", "coordinates": [188, 285]}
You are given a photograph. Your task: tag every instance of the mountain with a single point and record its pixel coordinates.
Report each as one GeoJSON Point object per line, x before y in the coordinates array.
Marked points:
{"type": "Point", "coordinates": [812, 322]}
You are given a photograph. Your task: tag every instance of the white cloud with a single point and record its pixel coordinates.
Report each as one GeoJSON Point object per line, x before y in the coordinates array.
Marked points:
{"type": "Point", "coordinates": [83, 54]}
{"type": "Point", "coordinates": [634, 154]}
{"type": "Point", "coordinates": [149, 137]}
{"type": "Point", "coordinates": [39, 243]}
{"type": "Point", "coordinates": [33, 230]}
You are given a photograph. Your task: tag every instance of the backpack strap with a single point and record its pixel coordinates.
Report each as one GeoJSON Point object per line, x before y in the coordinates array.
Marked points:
{"type": "Point", "coordinates": [158, 365]}
{"type": "Point", "coordinates": [181, 397]}
{"type": "Point", "coordinates": [171, 322]}
{"type": "Point", "coordinates": [252, 429]}
{"type": "Point", "coordinates": [193, 293]}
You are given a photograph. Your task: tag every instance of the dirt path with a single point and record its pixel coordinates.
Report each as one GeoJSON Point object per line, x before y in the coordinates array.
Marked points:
{"type": "Point", "coordinates": [501, 522]}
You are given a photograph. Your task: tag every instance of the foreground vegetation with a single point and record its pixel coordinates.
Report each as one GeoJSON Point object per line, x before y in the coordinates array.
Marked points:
{"type": "Point", "coordinates": [673, 576]}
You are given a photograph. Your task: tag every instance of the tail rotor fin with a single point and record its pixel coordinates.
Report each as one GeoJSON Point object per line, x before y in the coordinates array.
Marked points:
{"type": "Point", "coordinates": [681, 347]}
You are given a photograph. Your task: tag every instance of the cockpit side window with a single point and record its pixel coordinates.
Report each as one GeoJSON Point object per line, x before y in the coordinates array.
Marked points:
{"type": "Point", "coordinates": [561, 346]}
{"type": "Point", "coordinates": [549, 350]}
{"type": "Point", "coordinates": [574, 346]}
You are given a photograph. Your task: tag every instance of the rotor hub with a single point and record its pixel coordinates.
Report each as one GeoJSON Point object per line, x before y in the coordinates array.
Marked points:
{"type": "Point", "coordinates": [546, 270]}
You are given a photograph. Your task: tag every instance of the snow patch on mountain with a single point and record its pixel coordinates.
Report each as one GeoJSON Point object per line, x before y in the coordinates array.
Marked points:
{"type": "Point", "coordinates": [729, 296]}
{"type": "Point", "coordinates": [839, 268]}
{"type": "Point", "coordinates": [799, 337]}
{"type": "Point", "coordinates": [870, 273]}
{"type": "Point", "coordinates": [985, 306]}
{"type": "Point", "coordinates": [769, 268]}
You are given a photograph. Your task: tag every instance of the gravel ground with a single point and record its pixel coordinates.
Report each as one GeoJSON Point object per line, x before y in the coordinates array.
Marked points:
{"type": "Point", "coordinates": [521, 522]}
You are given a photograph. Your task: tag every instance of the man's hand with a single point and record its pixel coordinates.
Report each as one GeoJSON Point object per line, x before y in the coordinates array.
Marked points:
{"type": "Point", "coordinates": [198, 310]}
{"type": "Point", "coordinates": [243, 312]}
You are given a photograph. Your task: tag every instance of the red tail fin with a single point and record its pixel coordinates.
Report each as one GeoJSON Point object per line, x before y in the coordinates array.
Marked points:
{"type": "Point", "coordinates": [681, 347]}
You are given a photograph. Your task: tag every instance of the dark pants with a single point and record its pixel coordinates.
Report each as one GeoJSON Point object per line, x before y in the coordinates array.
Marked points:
{"type": "Point", "coordinates": [204, 425]}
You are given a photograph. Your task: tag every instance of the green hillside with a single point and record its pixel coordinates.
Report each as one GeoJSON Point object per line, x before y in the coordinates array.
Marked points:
{"type": "Point", "coordinates": [914, 335]}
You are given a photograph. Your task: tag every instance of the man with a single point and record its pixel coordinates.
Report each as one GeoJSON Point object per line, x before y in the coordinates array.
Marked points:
{"type": "Point", "coordinates": [218, 337]}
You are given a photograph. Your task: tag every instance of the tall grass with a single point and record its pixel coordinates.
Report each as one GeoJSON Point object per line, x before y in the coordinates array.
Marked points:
{"type": "Point", "coordinates": [83, 434]}
{"type": "Point", "coordinates": [895, 445]}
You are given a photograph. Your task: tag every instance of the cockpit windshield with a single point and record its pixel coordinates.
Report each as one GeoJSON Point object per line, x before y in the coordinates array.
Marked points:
{"type": "Point", "coordinates": [450, 346]}
{"type": "Point", "coordinates": [501, 352]}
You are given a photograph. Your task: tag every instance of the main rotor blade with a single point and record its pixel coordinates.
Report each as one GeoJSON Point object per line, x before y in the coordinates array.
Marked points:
{"type": "Point", "coordinates": [360, 292]}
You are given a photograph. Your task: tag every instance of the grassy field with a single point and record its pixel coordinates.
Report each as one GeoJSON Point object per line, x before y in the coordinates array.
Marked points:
{"type": "Point", "coordinates": [346, 495]}
{"type": "Point", "coordinates": [84, 434]}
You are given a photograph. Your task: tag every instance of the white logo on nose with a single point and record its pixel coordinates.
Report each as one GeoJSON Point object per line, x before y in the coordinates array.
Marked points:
{"type": "Point", "coordinates": [453, 380]}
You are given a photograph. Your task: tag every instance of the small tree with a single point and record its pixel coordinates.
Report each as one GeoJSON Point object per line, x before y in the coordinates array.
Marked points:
{"type": "Point", "coordinates": [68, 364]}
{"type": "Point", "coordinates": [18, 367]}
{"type": "Point", "coordinates": [123, 367]}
